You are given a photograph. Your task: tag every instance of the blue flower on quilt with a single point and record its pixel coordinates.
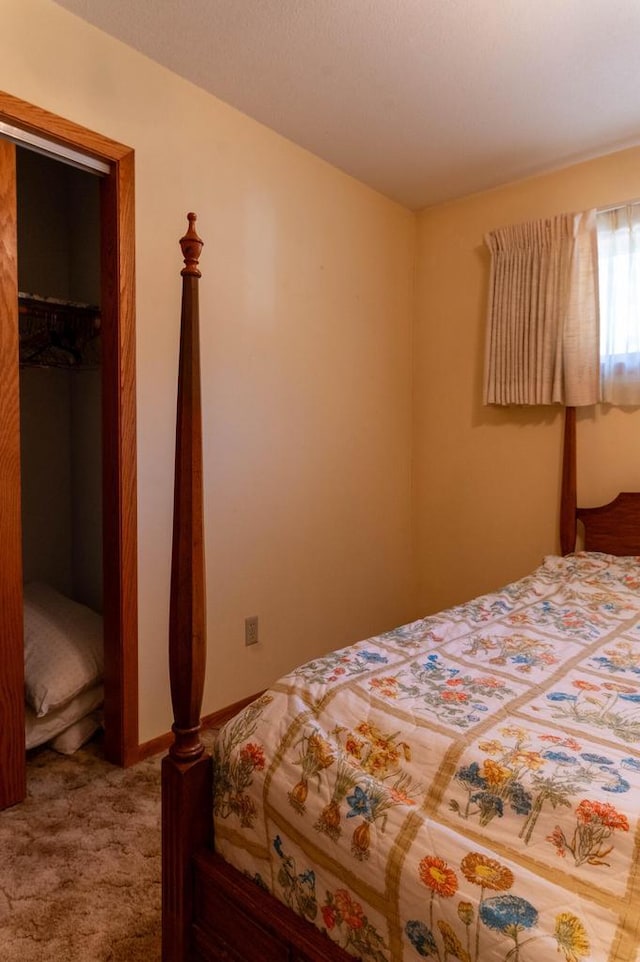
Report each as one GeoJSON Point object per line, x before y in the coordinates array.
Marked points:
{"type": "Point", "coordinates": [523, 659]}
{"type": "Point", "coordinates": [520, 799]}
{"type": "Point", "coordinates": [632, 763]}
{"type": "Point", "coordinates": [489, 805]}
{"type": "Point", "coordinates": [421, 938]}
{"type": "Point", "coordinates": [432, 663]}
{"type": "Point", "coordinates": [373, 656]}
{"type": "Point", "coordinates": [471, 775]}
{"type": "Point", "coordinates": [499, 606]}
{"type": "Point", "coordinates": [608, 663]}
{"type": "Point", "coordinates": [561, 696]}
{"type": "Point", "coordinates": [560, 757]}
{"type": "Point", "coordinates": [360, 804]}
{"type": "Point", "coordinates": [508, 913]}
{"type": "Point", "coordinates": [617, 787]}
{"type": "Point", "coordinates": [596, 759]}
{"type": "Point", "coordinates": [633, 698]}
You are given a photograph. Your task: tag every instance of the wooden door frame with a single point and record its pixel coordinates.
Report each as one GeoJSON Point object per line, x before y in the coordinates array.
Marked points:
{"type": "Point", "coordinates": [13, 780]}
{"type": "Point", "coordinates": [119, 510]}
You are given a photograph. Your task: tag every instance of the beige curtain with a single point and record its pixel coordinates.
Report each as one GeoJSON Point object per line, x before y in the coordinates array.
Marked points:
{"type": "Point", "coordinates": [542, 324]}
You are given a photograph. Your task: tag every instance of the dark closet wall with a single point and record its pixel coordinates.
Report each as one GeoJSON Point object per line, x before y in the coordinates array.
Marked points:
{"type": "Point", "coordinates": [58, 256]}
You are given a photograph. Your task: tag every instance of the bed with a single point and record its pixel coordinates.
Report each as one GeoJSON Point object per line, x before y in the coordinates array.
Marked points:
{"type": "Point", "coordinates": [464, 787]}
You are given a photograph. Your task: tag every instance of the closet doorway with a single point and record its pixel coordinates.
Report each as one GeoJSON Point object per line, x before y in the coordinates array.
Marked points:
{"type": "Point", "coordinates": [118, 442]}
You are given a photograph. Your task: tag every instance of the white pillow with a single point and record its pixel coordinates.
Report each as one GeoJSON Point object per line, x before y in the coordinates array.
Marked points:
{"type": "Point", "coordinates": [37, 731]}
{"type": "Point", "coordinates": [74, 737]}
{"type": "Point", "coordinates": [63, 649]}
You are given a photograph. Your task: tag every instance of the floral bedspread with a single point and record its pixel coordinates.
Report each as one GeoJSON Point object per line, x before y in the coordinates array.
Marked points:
{"type": "Point", "coordinates": [465, 787]}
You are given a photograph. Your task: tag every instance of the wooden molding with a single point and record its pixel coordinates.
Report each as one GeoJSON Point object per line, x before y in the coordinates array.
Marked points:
{"type": "Point", "coordinates": [119, 415]}
{"type": "Point", "coordinates": [120, 543]}
{"type": "Point", "coordinates": [12, 757]}
{"type": "Point", "coordinates": [215, 720]}
{"type": "Point", "coordinates": [39, 121]}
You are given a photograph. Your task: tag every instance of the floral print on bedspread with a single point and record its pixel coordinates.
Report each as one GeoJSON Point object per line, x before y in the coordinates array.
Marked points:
{"type": "Point", "coordinates": [463, 787]}
{"type": "Point", "coordinates": [340, 665]}
{"type": "Point", "coordinates": [477, 907]}
{"type": "Point", "coordinates": [583, 703]}
{"type": "Point", "coordinates": [237, 760]}
{"type": "Point", "coordinates": [417, 634]}
{"type": "Point", "coordinates": [449, 694]}
{"type": "Point", "coordinates": [621, 659]}
{"type": "Point", "coordinates": [357, 776]}
{"type": "Point", "coordinates": [549, 794]}
{"type": "Point", "coordinates": [345, 918]}
{"type": "Point", "coordinates": [517, 652]}
{"type": "Point", "coordinates": [568, 621]}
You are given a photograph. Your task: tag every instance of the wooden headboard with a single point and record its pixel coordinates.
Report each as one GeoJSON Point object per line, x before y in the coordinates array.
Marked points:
{"type": "Point", "coordinates": [614, 527]}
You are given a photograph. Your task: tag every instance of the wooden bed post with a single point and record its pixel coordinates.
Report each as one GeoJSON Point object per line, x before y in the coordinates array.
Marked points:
{"type": "Point", "coordinates": [568, 501]}
{"type": "Point", "coordinates": [187, 801]}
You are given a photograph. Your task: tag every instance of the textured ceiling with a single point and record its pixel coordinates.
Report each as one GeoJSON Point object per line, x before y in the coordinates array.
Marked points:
{"type": "Point", "coordinates": [425, 100]}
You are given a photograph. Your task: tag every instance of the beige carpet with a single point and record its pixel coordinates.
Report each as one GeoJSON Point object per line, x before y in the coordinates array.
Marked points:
{"type": "Point", "coordinates": [80, 862]}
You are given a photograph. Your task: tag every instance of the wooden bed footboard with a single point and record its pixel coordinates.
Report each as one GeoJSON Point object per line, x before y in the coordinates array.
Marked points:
{"type": "Point", "coordinates": [187, 783]}
{"type": "Point", "coordinates": [210, 911]}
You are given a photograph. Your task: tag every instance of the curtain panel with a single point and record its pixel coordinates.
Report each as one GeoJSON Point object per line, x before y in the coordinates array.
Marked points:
{"type": "Point", "coordinates": [619, 276]}
{"type": "Point", "coordinates": [542, 342]}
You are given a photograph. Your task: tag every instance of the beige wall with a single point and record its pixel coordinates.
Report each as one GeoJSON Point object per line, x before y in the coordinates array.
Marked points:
{"type": "Point", "coordinates": [486, 479]}
{"type": "Point", "coordinates": [306, 304]}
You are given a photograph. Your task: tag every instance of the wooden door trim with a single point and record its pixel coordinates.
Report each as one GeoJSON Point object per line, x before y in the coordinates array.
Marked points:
{"type": "Point", "coordinates": [119, 415]}
{"type": "Point", "coordinates": [13, 778]}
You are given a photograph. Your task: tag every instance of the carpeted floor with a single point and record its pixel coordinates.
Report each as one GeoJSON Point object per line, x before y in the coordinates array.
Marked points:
{"type": "Point", "coordinates": [80, 862]}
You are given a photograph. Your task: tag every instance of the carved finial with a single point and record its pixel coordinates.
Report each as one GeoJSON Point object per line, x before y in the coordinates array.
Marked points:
{"type": "Point", "coordinates": [191, 246]}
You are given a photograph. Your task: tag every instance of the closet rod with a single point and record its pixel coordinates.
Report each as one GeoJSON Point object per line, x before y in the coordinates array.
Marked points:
{"type": "Point", "coordinates": [25, 138]}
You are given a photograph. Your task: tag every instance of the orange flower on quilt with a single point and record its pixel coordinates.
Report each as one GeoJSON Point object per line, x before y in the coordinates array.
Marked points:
{"type": "Point", "coordinates": [321, 751]}
{"type": "Point", "coordinates": [329, 916]}
{"type": "Point", "coordinates": [585, 685]}
{"type": "Point", "coordinates": [349, 909]}
{"type": "Point", "coordinates": [486, 872]}
{"type": "Point", "coordinates": [385, 686]}
{"type": "Point", "coordinates": [601, 813]}
{"type": "Point", "coordinates": [436, 875]}
{"type": "Point", "coordinates": [252, 755]}
{"type": "Point", "coordinates": [529, 759]}
{"type": "Point", "coordinates": [622, 689]}
{"type": "Point", "coordinates": [454, 695]}
{"type": "Point", "coordinates": [495, 774]}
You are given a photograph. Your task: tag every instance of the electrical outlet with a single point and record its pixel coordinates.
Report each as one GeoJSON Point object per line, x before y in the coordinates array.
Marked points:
{"type": "Point", "coordinates": [251, 630]}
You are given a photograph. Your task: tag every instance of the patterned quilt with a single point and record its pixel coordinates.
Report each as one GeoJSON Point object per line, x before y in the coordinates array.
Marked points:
{"type": "Point", "coordinates": [466, 787]}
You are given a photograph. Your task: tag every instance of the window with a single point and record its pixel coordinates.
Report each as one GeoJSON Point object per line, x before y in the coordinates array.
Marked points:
{"type": "Point", "coordinates": [619, 282]}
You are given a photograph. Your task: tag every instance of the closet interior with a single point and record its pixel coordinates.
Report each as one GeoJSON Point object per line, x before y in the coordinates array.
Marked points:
{"type": "Point", "coordinates": [58, 221]}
